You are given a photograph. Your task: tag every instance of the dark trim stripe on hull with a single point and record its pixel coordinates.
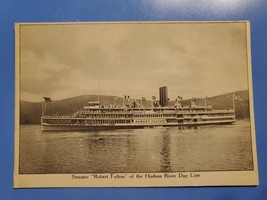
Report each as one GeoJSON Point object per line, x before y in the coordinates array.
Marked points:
{"type": "Point", "coordinates": [112, 127]}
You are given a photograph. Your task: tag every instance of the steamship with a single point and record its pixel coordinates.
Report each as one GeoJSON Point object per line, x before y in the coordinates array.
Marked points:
{"type": "Point", "coordinates": [95, 116]}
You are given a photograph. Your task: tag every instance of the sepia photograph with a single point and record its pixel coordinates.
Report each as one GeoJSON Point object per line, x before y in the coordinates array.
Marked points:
{"type": "Point", "coordinates": [134, 104]}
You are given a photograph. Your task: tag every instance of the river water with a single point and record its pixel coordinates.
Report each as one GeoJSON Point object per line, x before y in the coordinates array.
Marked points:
{"type": "Point", "coordinates": [209, 148]}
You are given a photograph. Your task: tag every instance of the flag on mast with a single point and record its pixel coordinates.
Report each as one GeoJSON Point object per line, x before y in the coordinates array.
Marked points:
{"type": "Point", "coordinates": [237, 97]}
{"type": "Point", "coordinates": [47, 99]}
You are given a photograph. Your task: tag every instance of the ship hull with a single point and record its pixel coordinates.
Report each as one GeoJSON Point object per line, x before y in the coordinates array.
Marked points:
{"type": "Point", "coordinates": [51, 127]}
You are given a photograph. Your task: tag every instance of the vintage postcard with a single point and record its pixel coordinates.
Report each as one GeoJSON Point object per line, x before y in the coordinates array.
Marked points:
{"type": "Point", "coordinates": [134, 104]}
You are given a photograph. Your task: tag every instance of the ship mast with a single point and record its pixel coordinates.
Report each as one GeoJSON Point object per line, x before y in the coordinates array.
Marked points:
{"type": "Point", "coordinates": [46, 100]}
{"type": "Point", "coordinates": [233, 101]}
{"type": "Point", "coordinates": [42, 112]}
{"type": "Point", "coordinates": [236, 97]}
{"type": "Point", "coordinates": [43, 109]}
{"type": "Point", "coordinates": [99, 92]}
{"type": "Point", "coordinates": [206, 98]}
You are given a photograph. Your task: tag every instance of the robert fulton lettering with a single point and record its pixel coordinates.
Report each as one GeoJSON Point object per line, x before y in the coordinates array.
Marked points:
{"type": "Point", "coordinates": [134, 115]}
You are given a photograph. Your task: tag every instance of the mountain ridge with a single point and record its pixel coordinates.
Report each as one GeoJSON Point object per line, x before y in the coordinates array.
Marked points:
{"type": "Point", "coordinates": [30, 112]}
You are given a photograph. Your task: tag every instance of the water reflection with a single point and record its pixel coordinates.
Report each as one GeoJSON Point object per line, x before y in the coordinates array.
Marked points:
{"type": "Point", "coordinates": [165, 153]}
{"type": "Point", "coordinates": [140, 150]}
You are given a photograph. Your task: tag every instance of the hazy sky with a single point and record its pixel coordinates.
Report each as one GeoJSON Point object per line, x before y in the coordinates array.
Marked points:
{"type": "Point", "coordinates": [192, 59]}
